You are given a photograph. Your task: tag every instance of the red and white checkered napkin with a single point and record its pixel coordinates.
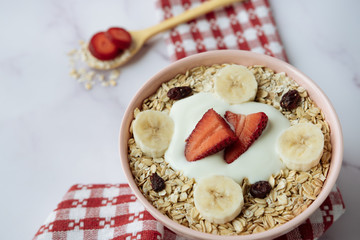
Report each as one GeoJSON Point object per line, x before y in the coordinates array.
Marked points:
{"type": "Point", "coordinates": [108, 211]}
{"type": "Point", "coordinates": [245, 25]}
{"type": "Point", "coordinates": [112, 211]}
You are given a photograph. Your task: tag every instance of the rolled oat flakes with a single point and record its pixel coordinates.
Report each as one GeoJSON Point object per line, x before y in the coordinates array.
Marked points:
{"type": "Point", "coordinates": [292, 191]}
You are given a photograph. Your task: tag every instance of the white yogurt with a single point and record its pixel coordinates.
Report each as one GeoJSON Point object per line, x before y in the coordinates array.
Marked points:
{"type": "Point", "coordinates": [257, 163]}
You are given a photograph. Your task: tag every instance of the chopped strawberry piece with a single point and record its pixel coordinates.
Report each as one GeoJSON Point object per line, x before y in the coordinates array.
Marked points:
{"type": "Point", "coordinates": [236, 120]}
{"type": "Point", "coordinates": [102, 48]}
{"type": "Point", "coordinates": [120, 37]}
{"type": "Point", "coordinates": [211, 135]}
{"type": "Point", "coordinates": [248, 128]}
{"type": "Point", "coordinates": [234, 151]}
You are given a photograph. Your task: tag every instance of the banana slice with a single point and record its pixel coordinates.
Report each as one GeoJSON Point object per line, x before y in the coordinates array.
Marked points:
{"type": "Point", "coordinates": [236, 84]}
{"type": "Point", "coordinates": [219, 199]}
{"type": "Point", "coordinates": [301, 146]}
{"type": "Point", "coordinates": [153, 131]}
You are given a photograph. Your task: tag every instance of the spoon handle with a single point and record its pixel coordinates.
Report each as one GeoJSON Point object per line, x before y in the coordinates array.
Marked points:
{"type": "Point", "coordinates": [185, 17]}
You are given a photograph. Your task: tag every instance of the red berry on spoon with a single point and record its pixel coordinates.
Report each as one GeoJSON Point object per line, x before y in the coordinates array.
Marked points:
{"type": "Point", "coordinates": [119, 36]}
{"type": "Point", "coordinates": [102, 48]}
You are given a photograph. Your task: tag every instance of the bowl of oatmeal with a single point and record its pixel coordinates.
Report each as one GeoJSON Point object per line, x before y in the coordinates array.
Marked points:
{"type": "Point", "coordinates": [231, 144]}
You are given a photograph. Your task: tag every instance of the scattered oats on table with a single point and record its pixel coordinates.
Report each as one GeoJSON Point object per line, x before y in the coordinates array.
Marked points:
{"type": "Point", "coordinates": [87, 76]}
{"type": "Point", "coordinates": [292, 192]}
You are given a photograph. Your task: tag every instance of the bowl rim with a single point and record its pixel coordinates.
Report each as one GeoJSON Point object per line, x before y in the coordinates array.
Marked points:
{"type": "Point", "coordinates": [291, 71]}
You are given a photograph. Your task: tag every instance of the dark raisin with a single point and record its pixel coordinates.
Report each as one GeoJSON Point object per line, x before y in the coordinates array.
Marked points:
{"type": "Point", "coordinates": [157, 183]}
{"type": "Point", "coordinates": [260, 189]}
{"type": "Point", "coordinates": [290, 100]}
{"type": "Point", "coordinates": [177, 93]}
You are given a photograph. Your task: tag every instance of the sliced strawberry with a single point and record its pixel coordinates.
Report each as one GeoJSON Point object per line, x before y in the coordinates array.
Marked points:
{"type": "Point", "coordinates": [248, 128]}
{"type": "Point", "coordinates": [236, 120]}
{"type": "Point", "coordinates": [102, 48]}
{"type": "Point", "coordinates": [234, 151]}
{"type": "Point", "coordinates": [119, 36]}
{"type": "Point", "coordinates": [211, 135]}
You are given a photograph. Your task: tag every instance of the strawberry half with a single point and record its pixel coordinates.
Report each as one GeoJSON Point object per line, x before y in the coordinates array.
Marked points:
{"type": "Point", "coordinates": [102, 48]}
{"type": "Point", "coordinates": [211, 135]}
{"type": "Point", "coordinates": [120, 37]}
{"type": "Point", "coordinates": [248, 128]}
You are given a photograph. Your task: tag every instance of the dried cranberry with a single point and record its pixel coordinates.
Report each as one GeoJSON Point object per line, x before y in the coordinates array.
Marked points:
{"type": "Point", "coordinates": [290, 100]}
{"type": "Point", "coordinates": [177, 93]}
{"type": "Point", "coordinates": [260, 189]}
{"type": "Point", "coordinates": [157, 183]}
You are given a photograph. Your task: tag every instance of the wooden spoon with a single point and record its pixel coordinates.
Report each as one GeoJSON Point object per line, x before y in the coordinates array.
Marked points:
{"type": "Point", "coordinates": [140, 37]}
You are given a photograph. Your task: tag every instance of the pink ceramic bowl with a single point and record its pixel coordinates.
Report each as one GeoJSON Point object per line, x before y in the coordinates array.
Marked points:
{"type": "Point", "coordinates": [243, 58]}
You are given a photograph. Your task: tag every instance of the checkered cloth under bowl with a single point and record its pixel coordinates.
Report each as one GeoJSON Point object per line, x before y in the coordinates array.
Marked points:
{"type": "Point", "coordinates": [106, 211]}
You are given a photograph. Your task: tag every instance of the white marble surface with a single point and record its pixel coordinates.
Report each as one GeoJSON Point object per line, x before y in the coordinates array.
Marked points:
{"type": "Point", "coordinates": [54, 133]}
